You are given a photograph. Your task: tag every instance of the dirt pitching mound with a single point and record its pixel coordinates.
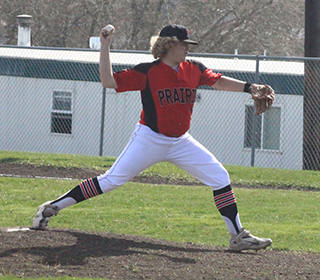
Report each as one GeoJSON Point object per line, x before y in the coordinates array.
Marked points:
{"type": "Point", "coordinates": [64, 252]}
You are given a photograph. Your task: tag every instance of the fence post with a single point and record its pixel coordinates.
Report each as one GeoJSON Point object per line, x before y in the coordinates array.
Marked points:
{"type": "Point", "coordinates": [255, 118]}
{"type": "Point", "coordinates": [103, 109]}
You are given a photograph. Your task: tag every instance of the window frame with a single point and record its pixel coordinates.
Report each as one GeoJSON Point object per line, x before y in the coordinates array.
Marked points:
{"type": "Point", "coordinates": [261, 148]}
{"type": "Point", "coordinates": [62, 112]}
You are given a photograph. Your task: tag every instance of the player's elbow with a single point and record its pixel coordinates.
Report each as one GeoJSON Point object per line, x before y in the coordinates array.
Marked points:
{"type": "Point", "coordinates": [109, 83]}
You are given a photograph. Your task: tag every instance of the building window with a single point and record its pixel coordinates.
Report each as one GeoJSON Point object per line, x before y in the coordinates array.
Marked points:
{"type": "Point", "coordinates": [61, 114]}
{"type": "Point", "coordinates": [267, 128]}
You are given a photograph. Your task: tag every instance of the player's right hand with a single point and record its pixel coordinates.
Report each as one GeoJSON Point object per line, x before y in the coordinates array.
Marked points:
{"type": "Point", "coordinates": [106, 35]}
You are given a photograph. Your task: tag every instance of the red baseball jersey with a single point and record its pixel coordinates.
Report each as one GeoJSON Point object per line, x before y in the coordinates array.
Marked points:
{"type": "Point", "coordinates": [167, 95]}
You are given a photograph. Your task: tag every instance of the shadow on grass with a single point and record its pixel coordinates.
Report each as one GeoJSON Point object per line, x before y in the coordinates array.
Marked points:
{"type": "Point", "coordinates": [10, 160]}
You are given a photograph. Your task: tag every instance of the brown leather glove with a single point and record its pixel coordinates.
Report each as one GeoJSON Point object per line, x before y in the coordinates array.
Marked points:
{"type": "Point", "coordinates": [263, 96]}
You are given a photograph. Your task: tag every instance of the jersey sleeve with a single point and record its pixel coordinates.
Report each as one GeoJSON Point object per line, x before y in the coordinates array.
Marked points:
{"type": "Point", "coordinates": [130, 80]}
{"type": "Point", "coordinates": [209, 78]}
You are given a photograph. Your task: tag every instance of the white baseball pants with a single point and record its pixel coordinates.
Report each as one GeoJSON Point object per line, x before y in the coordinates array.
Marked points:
{"type": "Point", "coordinates": [146, 148]}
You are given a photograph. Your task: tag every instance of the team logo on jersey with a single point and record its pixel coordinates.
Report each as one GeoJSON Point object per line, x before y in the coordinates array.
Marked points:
{"type": "Point", "coordinates": [177, 95]}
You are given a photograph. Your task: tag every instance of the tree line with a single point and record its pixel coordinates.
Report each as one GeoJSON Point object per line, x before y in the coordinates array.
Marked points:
{"type": "Point", "coordinates": [251, 26]}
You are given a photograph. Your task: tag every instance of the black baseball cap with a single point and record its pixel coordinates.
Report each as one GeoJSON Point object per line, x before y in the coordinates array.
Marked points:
{"type": "Point", "coordinates": [181, 32]}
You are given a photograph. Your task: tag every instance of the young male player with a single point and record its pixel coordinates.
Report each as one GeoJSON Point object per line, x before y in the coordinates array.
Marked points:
{"type": "Point", "coordinates": [168, 88]}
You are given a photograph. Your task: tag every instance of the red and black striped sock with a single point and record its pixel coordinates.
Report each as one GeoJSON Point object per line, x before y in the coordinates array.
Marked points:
{"type": "Point", "coordinates": [226, 204]}
{"type": "Point", "coordinates": [85, 190]}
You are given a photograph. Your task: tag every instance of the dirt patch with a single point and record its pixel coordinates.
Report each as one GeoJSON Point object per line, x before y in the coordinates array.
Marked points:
{"type": "Point", "coordinates": [33, 171]}
{"type": "Point", "coordinates": [67, 252]}
{"type": "Point", "coordinates": [63, 252]}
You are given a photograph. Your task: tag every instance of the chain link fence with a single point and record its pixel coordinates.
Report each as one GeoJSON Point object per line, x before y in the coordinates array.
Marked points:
{"type": "Point", "coordinates": [52, 101]}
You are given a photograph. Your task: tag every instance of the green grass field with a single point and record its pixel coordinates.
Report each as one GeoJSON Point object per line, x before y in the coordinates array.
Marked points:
{"type": "Point", "coordinates": [177, 213]}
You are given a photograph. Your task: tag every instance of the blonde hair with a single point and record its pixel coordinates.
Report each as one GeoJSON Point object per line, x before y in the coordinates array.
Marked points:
{"type": "Point", "coordinates": [159, 46]}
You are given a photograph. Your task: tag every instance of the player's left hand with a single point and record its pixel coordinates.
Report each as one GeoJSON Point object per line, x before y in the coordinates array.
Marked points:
{"type": "Point", "coordinates": [263, 96]}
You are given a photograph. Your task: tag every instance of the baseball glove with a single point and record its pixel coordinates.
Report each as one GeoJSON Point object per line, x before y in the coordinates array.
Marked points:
{"type": "Point", "coordinates": [263, 96]}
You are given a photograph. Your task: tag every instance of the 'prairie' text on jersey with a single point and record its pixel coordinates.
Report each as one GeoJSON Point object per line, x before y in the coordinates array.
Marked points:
{"type": "Point", "coordinates": [181, 95]}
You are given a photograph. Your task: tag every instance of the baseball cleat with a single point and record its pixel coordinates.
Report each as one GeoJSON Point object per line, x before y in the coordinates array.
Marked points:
{"type": "Point", "coordinates": [45, 211]}
{"type": "Point", "coordinates": [245, 241]}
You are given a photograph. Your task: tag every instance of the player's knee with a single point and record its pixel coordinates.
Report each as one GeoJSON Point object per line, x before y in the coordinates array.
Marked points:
{"type": "Point", "coordinates": [222, 178]}
{"type": "Point", "coordinates": [109, 182]}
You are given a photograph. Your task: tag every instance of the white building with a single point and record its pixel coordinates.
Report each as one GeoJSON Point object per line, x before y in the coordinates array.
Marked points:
{"type": "Point", "coordinates": [51, 101]}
